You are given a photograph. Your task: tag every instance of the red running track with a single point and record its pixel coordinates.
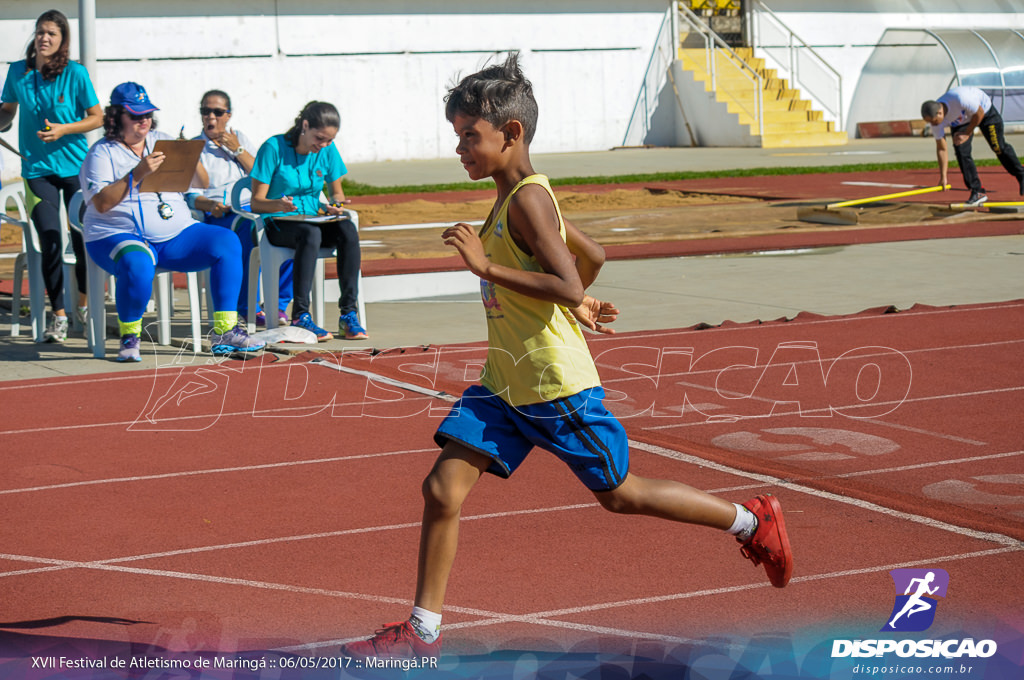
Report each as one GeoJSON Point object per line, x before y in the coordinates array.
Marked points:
{"type": "Point", "coordinates": [265, 505]}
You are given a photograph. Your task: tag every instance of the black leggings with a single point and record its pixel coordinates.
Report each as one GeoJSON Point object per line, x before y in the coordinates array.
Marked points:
{"type": "Point", "coordinates": [992, 130]}
{"type": "Point", "coordinates": [46, 218]}
{"type": "Point", "coordinates": [307, 239]}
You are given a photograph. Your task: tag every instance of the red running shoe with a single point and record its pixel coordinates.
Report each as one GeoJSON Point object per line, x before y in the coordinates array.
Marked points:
{"type": "Point", "coordinates": [394, 641]}
{"type": "Point", "coordinates": [770, 544]}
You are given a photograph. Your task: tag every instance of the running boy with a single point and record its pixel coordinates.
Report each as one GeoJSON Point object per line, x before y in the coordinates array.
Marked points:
{"type": "Point", "coordinates": [539, 385]}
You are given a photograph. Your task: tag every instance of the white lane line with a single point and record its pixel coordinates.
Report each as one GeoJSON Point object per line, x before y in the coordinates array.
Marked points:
{"type": "Point", "coordinates": [176, 368]}
{"type": "Point", "coordinates": [384, 380]}
{"type": "Point", "coordinates": [815, 322]}
{"type": "Point", "coordinates": [752, 586]}
{"type": "Point", "coordinates": [908, 400]}
{"type": "Point", "coordinates": [882, 184]}
{"type": "Point", "coordinates": [528, 619]}
{"type": "Point", "coordinates": [212, 471]}
{"type": "Point", "coordinates": [282, 539]}
{"type": "Point", "coordinates": [201, 416]}
{"type": "Point", "coordinates": [919, 466]}
{"type": "Point", "coordinates": [341, 532]}
{"type": "Point", "coordinates": [770, 480]}
{"type": "Point", "coordinates": [423, 225]}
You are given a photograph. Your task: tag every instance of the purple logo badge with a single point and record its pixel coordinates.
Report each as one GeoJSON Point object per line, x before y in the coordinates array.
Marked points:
{"type": "Point", "coordinates": [917, 591]}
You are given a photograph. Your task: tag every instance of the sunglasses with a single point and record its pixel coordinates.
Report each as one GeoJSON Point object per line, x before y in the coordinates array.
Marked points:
{"type": "Point", "coordinates": [140, 116]}
{"type": "Point", "coordinates": [206, 111]}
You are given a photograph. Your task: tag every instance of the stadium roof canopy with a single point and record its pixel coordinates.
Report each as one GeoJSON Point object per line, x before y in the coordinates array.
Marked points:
{"type": "Point", "coordinates": [910, 66]}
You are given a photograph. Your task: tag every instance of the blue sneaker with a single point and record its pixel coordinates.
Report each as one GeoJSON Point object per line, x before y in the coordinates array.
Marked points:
{"type": "Point", "coordinates": [129, 348]}
{"type": "Point", "coordinates": [235, 340]}
{"type": "Point", "coordinates": [349, 326]}
{"type": "Point", "coordinates": [306, 321]}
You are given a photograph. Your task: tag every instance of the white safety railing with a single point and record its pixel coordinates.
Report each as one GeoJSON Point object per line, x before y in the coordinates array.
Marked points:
{"type": "Point", "coordinates": [715, 46]}
{"type": "Point", "coordinates": [795, 60]}
{"type": "Point", "coordinates": [655, 78]}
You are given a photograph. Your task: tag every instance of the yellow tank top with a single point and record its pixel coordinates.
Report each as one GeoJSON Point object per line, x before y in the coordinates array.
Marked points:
{"type": "Point", "coordinates": [536, 349]}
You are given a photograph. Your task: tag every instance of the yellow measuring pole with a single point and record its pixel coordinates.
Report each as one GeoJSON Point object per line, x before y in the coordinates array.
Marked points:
{"type": "Point", "coordinates": [886, 197]}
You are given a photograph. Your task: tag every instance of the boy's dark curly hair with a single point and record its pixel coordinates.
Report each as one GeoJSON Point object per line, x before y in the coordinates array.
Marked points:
{"type": "Point", "coordinates": [498, 94]}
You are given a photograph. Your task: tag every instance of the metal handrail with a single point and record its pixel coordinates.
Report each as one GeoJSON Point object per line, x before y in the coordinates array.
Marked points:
{"type": "Point", "coordinates": [794, 70]}
{"type": "Point", "coordinates": [712, 39]}
{"type": "Point", "coordinates": [658, 76]}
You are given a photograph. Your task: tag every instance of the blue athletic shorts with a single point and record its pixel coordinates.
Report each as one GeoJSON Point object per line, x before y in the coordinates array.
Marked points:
{"type": "Point", "coordinates": [577, 429]}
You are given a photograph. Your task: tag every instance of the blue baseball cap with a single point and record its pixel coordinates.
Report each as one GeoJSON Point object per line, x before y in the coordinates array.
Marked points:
{"type": "Point", "coordinates": [133, 98]}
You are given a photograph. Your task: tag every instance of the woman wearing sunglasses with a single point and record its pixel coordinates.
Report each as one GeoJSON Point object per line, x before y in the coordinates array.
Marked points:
{"type": "Point", "coordinates": [58, 106]}
{"type": "Point", "coordinates": [227, 157]}
{"type": "Point", "coordinates": [130, 233]}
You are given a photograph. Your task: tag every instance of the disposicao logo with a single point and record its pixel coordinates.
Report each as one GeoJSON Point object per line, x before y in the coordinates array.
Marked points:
{"type": "Point", "coordinates": [917, 593]}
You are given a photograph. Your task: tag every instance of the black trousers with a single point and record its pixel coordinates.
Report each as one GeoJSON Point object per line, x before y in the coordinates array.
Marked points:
{"type": "Point", "coordinates": [46, 219]}
{"type": "Point", "coordinates": [992, 130]}
{"type": "Point", "coordinates": [307, 239]}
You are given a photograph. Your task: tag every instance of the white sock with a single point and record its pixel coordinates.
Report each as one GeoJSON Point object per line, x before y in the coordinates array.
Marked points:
{"type": "Point", "coordinates": [427, 624]}
{"type": "Point", "coordinates": [745, 524]}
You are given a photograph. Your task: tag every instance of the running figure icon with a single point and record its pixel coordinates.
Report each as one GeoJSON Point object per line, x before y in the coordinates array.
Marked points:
{"type": "Point", "coordinates": [916, 603]}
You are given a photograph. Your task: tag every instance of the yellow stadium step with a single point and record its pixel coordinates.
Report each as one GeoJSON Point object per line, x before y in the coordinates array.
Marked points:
{"type": "Point", "coordinates": [795, 140]}
{"type": "Point", "coordinates": [789, 120]}
{"type": "Point", "coordinates": [789, 127]}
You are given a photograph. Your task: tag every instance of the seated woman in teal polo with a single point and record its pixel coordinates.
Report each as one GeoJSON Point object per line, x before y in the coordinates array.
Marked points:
{"type": "Point", "coordinates": [130, 233]}
{"type": "Point", "coordinates": [288, 178]}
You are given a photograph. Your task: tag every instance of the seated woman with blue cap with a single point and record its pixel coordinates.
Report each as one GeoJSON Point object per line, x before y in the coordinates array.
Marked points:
{"type": "Point", "coordinates": [130, 233]}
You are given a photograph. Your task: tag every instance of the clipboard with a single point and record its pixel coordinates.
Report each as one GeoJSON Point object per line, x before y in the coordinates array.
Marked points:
{"type": "Point", "coordinates": [312, 219]}
{"type": "Point", "coordinates": [176, 172]}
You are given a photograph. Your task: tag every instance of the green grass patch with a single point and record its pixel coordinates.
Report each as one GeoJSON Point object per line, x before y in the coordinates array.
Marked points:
{"type": "Point", "coordinates": [359, 189]}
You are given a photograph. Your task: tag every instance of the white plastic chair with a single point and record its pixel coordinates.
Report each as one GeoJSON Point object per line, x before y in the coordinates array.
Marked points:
{"type": "Point", "coordinates": [163, 293]}
{"type": "Point", "coordinates": [29, 258]}
{"type": "Point", "coordinates": [271, 258]}
{"type": "Point", "coordinates": [203, 277]}
{"type": "Point", "coordinates": [30, 261]}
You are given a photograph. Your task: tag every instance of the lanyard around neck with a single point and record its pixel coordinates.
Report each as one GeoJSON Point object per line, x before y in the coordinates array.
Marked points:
{"type": "Point", "coordinates": [140, 223]}
{"type": "Point", "coordinates": [310, 169]}
{"type": "Point", "coordinates": [40, 112]}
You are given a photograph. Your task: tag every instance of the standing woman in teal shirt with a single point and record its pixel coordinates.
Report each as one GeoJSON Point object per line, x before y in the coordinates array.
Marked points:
{"type": "Point", "coordinates": [58, 106]}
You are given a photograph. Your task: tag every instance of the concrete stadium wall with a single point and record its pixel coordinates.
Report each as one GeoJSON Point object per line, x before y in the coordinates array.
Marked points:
{"type": "Point", "coordinates": [705, 118]}
{"type": "Point", "coordinates": [386, 64]}
{"type": "Point", "coordinates": [846, 33]}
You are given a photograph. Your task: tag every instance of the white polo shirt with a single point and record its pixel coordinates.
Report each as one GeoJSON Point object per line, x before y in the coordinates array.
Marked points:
{"type": "Point", "coordinates": [107, 162]}
{"type": "Point", "coordinates": [962, 103]}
